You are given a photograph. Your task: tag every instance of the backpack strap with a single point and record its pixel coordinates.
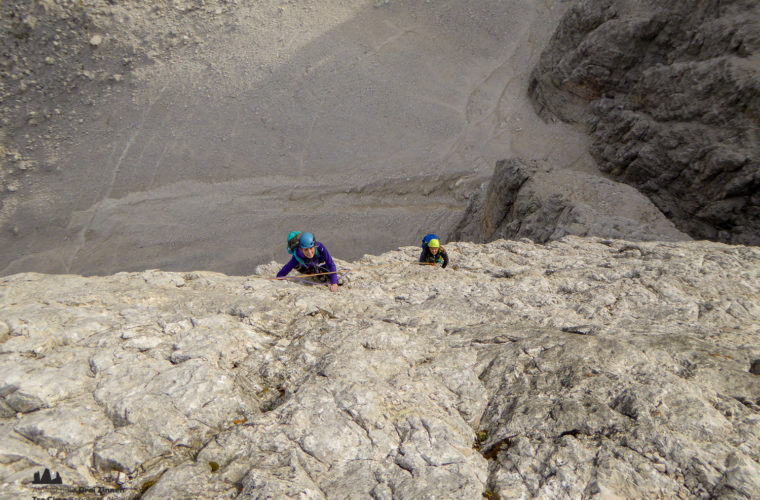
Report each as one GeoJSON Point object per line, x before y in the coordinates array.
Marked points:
{"type": "Point", "coordinates": [292, 247]}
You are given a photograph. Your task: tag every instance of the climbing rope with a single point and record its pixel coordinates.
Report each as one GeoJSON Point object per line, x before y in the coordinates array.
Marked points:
{"type": "Point", "coordinates": [343, 271]}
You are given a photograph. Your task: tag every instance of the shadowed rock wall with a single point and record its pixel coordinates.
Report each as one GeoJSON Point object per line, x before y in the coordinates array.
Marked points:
{"type": "Point", "coordinates": [670, 92]}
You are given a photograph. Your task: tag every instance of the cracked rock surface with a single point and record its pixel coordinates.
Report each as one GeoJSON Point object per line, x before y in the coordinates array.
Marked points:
{"type": "Point", "coordinates": [583, 368]}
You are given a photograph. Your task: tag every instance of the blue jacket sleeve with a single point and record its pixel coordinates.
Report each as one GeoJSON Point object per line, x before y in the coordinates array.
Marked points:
{"type": "Point", "coordinates": [329, 263]}
{"type": "Point", "coordinates": [292, 264]}
{"type": "Point", "coordinates": [445, 259]}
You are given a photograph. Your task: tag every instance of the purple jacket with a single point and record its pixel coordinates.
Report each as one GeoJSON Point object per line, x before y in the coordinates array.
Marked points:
{"type": "Point", "coordinates": [321, 263]}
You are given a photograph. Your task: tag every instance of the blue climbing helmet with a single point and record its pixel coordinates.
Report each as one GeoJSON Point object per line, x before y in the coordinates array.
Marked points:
{"type": "Point", "coordinates": [306, 240]}
{"type": "Point", "coordinates": [298, 239]}
{"type": "Point", "coordinates": [428, 238]}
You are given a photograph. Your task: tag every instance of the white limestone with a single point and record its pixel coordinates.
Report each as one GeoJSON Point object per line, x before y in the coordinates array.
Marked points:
{"type": "Point", "coordinates": [582, 368]}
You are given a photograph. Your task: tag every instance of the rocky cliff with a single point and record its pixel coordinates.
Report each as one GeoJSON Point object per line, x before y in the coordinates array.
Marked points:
{"type": "Point", "coordinates": [583, 368]}
{"type": "Point", "coordinates": [536, 200]}
{"type": "Point", "coordinates": [670, 94]}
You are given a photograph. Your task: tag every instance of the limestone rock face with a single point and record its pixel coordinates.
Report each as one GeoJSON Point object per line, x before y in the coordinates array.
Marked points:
{"type": "Point", "coordinates": [531, 199]}
{"type": "Point", "coordinates": [583, 368]}
{"type": "Point", "coordinates": [670, 92]}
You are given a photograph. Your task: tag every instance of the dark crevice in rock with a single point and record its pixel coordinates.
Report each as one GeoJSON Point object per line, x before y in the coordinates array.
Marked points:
{"type": "Point", "coordinates": [492, 451]}
{"type": "Point", "coordinates": [752, 405]}
{"type": "Point", "coordinates": [571, 432]}
{"type": "Point", "coordinates": [754, 368]}
{"type": "Point", "coordinates": [272, 403]}
{"type": "Point", "coordinates": [495, 340]}
{"type": "Point", "coordinates": [580, 329]}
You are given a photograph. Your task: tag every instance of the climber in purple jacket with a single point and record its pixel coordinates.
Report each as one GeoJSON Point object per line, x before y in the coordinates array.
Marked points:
{"type": "Point", "coordinates": [311, 257]}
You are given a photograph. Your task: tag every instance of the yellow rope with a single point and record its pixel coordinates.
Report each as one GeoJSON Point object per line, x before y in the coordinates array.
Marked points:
{"type": "Point", "coordinates": [303, 275]}
{"type": "Point", "coordinates": [342, 270]}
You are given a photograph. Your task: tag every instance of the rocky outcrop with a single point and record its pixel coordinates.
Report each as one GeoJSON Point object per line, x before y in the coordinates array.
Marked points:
{"type": "Point", "coordinates": [670, 93]}
{"type": "Point", "coordinates": [531, 199]}
{"type": "Point", "coordinates": [584, 368]}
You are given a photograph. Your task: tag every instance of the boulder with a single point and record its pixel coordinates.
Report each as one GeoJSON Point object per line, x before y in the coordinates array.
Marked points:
{"type": "Point", "coordinates": [532, 199]}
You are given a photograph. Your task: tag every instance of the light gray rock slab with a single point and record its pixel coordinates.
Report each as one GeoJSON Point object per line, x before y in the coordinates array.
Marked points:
{"type": "Point", "coordinates": [27, 386]}
{"type": "Point", "coordinates": [585, 367]}
{"type": "Point", "coordinates": [126, 449]}
{"type": "Point", "coordinates": [65, 427]}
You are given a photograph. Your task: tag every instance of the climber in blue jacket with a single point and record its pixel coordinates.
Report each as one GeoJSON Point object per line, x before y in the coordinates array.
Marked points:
{"type": "Point", "coordinates": [311, 257]}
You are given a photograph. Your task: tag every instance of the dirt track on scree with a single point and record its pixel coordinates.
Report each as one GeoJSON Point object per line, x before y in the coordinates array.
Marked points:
{"type": "Point", "coordinates": [365, 124]}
